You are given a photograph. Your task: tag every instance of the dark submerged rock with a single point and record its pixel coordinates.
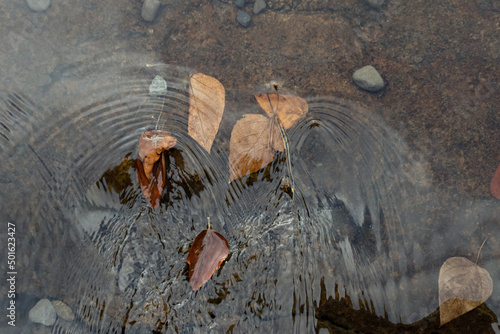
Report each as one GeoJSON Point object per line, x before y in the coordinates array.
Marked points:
{"type": "Point", "coordinates": [243, 18]}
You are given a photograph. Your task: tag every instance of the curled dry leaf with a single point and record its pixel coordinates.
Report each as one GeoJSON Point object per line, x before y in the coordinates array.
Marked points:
{"type": "Point", "coordinates": [254, 140]}
{"type": "Point", "coordinates": [463, 286]}
{"type": "Point", "coordinates": [152, 188]}
{"type": "Point", "coordinates": [150, 167]}
{"type": "Point", "coordinates": [151, 144]}
{"type": "Point", "coordinates": [289, 108]}
{"type": "Point", "coordinates": [208, 251]}
{"type": "Point", "coordinates": [495, 184]}
{"type": "Point", "coordinates": [206, 106]}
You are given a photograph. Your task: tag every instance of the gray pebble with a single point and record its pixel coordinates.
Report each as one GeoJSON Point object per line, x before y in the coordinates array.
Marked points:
{"type": "Point", "coordinates": [368, 79]}
{"type": "Point", "coordinates": [63, 310]}
{"type": "Point", "coordinates": [239, 3]}
{"type": "Point", "coordinates": [38, 5]}
{"type": "Point", "coordinates": [243, 18]}
{"type": "Point", "coordinates": [259, 6]}
{"type": "Point", "coordinates": [149, 10]}
{"type": "Point", "coordinates": [43, 313]}
{"type": "Point", "coordinates": [158, 86]}
{"type": "Point", "coordinates": [375, 3]}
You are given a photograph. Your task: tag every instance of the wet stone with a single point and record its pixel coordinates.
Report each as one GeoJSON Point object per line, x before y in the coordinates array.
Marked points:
{"type": "Point", "coordinates": [239, 3]}
{"type": "Point", "coordinates": [243, 18]}
{"type": "Point", "coordinates": [375, 3]}
{"type": "Point", "coordinates": [38, 5]}
{"type": "Point", "coordinates": [368, 78]}
{"type": "Point", "coordinates": [158, 86]}
{"type": "Point", "coordinates": [149, 10]}
{"type": "Point", "coordinates": [43, 313]}
{"type": "Point", "coordinates": [259, 6]}
{"type": "Point", "coordinates": [63, 310]}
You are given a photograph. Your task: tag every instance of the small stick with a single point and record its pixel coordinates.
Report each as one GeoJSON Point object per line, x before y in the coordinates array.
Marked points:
{"type": "Point", "coordinates": [208, 226]}
{"type": "Point", "coordinates": [481, 248]}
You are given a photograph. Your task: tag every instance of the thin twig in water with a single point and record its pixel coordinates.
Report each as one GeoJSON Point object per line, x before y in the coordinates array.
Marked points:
{"type": "Point", "coordinates": [481, 248]}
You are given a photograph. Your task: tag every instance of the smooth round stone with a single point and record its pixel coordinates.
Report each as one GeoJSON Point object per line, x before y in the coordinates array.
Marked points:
{"type": "Point", "coordinates": [375, 3]}
{"type": "Point", "coordinates": [239, 3]}
{"type": "Point", "coordinates": [368, 78]}
{"type": "Point", "coordinates": [149, 10]}
{"type": "Point", "coordinates": [243, 18]}
{"type": "Point", "coordinates": [38, 5]}
{"type": "Point", "coordinates": [43, 313]}
{"type": "Point", "coordinates": [158, 86]}
{"type": "Point", "coordinates": [259, 6]}
{"type": "Point", "coordinates": [63, 310]}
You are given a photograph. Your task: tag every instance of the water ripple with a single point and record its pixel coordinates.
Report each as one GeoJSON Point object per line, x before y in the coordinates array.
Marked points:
{"type": "Point", "coordinates": [346, 225]}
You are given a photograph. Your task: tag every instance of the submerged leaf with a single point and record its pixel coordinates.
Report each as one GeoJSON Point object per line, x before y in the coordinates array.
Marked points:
{"type": "Point", "coordinates": [150, 168]}
{"type": "Point", "coordinates": [208, 251]}
{"type": "Point", "coordinates": [254, 140]}
{"type": "Point", "coordinates": [152, 188]}
{"type": "Point", "coordinates": [206, 106]}
{"type": "Point", "coordinates": [289, 108]}
{"type": "Point", "coordinates": [151, 144]}
{"type": "Point", "coordinates": [495, 184]}
{"type": "Point", "coordinates": [463, 286]}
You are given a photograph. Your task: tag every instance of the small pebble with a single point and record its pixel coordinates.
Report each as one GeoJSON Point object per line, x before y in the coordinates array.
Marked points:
{"type": "Point", "coordinates": [43, 313]}
{"type": "Point", "coordinates": [38, 5]}
{"type": "Point", "coordinates": [243, 18]}
{"type": "Point", "coordinates": [149, 10]}
{"type": "Point", "coordinates": [259, 6]}
{"type": "Point", "coordinates": [63, 310]}
{"type": "Point", "coordinates": [375, 3]}
{"type": "Point", "coordinates": [158, 86]}
{"type": "Point", "coordinates": [368, 79]}
{"type": "Point", "coordinates": [239, 3]}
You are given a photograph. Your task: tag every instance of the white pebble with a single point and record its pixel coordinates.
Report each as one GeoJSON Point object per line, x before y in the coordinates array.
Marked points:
{"type": "Point", "coordinates": [368, 79]}
{"type": "Point", "coordinates": [43, 313]}
{"type": "Point", "coordinates": [38, 5]}
{"type": "Point", "coordinates": [149, 10]}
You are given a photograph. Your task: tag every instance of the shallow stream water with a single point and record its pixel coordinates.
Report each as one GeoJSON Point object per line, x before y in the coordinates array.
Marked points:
{"type": "Point", "coordinates": [364, 223]}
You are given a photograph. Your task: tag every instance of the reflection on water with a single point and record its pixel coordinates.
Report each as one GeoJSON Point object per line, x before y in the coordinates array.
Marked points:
{"type": "Point", "coordinates": [359, 226]}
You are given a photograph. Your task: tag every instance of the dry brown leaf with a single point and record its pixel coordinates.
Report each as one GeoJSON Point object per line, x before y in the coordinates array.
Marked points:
{"type": "Point", "coordinates": [254, 140]}
{"type": "Point", "coordinates": [207, 253]}
{"type": "Point", "coordinates": [463, 286]}
{"type": "Point", "coordinates": [289, 108]}
{"type": "Point", "coordinates": [495, 184]}
{"type": "Point", "coordinates": [206, 106]}
{"type": "Point", "coordinates": [152, 188]}
{"type": "Point", "coordinates": [151, 144]}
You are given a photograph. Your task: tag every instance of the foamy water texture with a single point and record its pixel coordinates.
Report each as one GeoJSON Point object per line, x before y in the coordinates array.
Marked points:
{"type": "Point", "coordinates": [363, 222]}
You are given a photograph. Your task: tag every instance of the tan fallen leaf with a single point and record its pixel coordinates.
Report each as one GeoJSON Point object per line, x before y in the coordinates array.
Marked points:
{"type": "Point", "coordinates": [254, 139]}
{"type": "Point", "coordinates": [463, 286]}
{"type": "Point", "coordinates": [206, 106]}
{"type": "Point", "coordinates": [289, 108]}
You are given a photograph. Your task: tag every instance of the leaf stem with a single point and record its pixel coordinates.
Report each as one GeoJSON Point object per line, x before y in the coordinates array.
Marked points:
{"type": "Point", "coordinates": [159, 116]}
{"type": "Point", "coordinates": [477, 259]}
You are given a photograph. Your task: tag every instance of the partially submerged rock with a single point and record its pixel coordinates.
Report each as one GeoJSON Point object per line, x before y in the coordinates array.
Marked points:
{"type": "Point", "coordinates": [43, 313]}
{"type": "Point", "coordinates": [368, 78]}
